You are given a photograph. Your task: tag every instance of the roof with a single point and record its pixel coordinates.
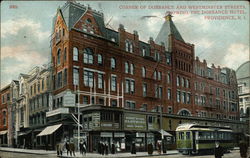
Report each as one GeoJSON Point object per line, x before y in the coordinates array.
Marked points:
{"type": "Point", "coordinates": [193, 126]}
{"type": "Point", "coordinates": [167, 29]}
{"type": "Point", "coordinates": [24, 75]}
{"type": "Point", "coordinates": [243, 70]}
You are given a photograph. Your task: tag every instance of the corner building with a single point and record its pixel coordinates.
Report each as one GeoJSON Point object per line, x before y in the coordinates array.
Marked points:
{"type": "Point", "coordinates": [126, 89]}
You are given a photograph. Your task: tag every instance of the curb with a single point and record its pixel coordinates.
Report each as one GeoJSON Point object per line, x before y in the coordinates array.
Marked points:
{"type": "Point", "coordinates": [24, 152]}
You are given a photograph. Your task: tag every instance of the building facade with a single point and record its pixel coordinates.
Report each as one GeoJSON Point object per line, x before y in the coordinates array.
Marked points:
{"type": "Point", "coordinates": [243, 77]}
{"type": "Point", "coordinates": [4, 113]}
{"type": "Point", "coordinates": [128, 90]}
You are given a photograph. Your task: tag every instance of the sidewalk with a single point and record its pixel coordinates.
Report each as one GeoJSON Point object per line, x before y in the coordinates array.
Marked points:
{"type": "Point", "coordinates": [120, 155]}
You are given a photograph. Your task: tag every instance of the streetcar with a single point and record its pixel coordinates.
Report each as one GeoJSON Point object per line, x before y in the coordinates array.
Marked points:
{"type": "Point", "coordinates": [196, 139]}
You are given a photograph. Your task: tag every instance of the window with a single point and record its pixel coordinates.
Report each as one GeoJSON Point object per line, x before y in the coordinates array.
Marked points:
{"type": "Point", "coordinates": [144, 107]}
{"type": "Point", "coordinates": [59, 57]}
{"type": "Point", "coordinates": [170, 110]}
{"type": "Point", "coordinates": [178, 81]}
{"type": "Point", "coordinates": [128, 46]}
{"type": "Point", "coordinates": [184, 97]}
{"type": "Point", "coordinates": [65, 76]}
{"type": "Point", "coordinates": [169, 94]}
{"type": "Point", "coordinates": [99, 59]}
{"type": "Point", "coordinates": [157, 56]}
{"type": "Point", "coordinates": [144, 89]}
{"type": "Point", "coordinates": [169, 77]}
{"type": "Point", "coordinates": [113, 83]}
{"type": "Point", "coordinates": [187, 83]}
{"type": "Point", "coordinates": [160, 92]}
{"type": "Point", "coordinates": [143, 72]}
{"type": "Point", "coordinates": [126, 67]}
{"type": "Point", "coordinates": [42, 85]}
{"type": "Point", "coordinates": [184, 113]}
{"type": "Point", "coordinates": [178, 96]}
{"type": "Point", "coordinates": [132, 69]}
{"type": "Point", "coordinates": [100, 81]}
{"type": "Point", "coordinates": [130, 104]}
{"type": "Point", "coordinates": [88, 78]}
{"type": "Point", "coordinates": [113, 63]}
{"type": "Point", "coordinates": [155, 75]}
{"type": "Point", "coordinates": [88, 56]}
{"type": "Point", "coordinates": [143, 52]}
{"type": "Point", "coordinates": [188, 98]}
{"type": "Point", "coordinates": [168, 60]}
{"type": "Point", "coordinates": [159, 75]}
{"type": "Point", "coordinates": [38, 86]}
{"type": "Point", "coordinates": [65, 54]}
{"type": "Point", "coordinates": [75, 76]}
{"type": "Point", "coordinates": [183, 82]}
{"type": "Point", "coordinates": [75, 54]}
{"type": "Point", "coordinates": [59, 80]}
{"type": "Point", "coordinates": [114, 103]}
{"type": "Point", "coordinates": [130, 86]}
{"type": "Point", "coordinates": [85, 100]}
{"type": "Point", "coordinates": [4, 118]}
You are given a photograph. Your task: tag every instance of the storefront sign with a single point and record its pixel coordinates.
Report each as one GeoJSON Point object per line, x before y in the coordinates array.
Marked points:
{"type": "Point", "coordinates": [119, 135]}
{"type": "Point", "coordinates": [106, 124]}
{"type": "Point", "coordinates": [140, 134]}
{"type": "Point", "coordinates": [134, 121]}
{"type": "Point", "coordinates": [96, 120]}
{"type": "Point", "coordinates": [150, 135]}
{"type": "Point", "coordinates": [106, 134]}
{"type": "Point", "coordinates": [69, 99]}
{"type": "Point", "coordinates": [57, 111]}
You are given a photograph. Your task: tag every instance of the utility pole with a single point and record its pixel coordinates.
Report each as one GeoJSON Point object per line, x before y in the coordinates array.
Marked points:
{"type": "Point", "coordinates": [78, 125]}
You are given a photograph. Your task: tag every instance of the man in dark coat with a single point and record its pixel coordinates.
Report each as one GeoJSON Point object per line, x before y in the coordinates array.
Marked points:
{"type": "Point", "coordinates": [243, 149]}
{"type": "Point", "coordinates": [67, 147]}
{"type": "Point", "coordinates": [133, 148]}
{"type": "Point", "coordinates": [218, 150]}
{"type": "Point", "coordinates": [106, 147]}
{"type": "Point", "coordinates": [150, 149]}
{"type": "Point", "coordinates": [113, 148]}
{"type": "Point", "coordinates": [81, 147]}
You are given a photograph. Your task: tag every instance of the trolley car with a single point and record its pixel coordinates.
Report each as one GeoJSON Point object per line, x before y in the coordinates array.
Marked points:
{"type": "Point", "coordinates": [195, 139]}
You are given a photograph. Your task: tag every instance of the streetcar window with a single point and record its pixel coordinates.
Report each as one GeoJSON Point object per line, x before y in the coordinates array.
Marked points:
{"type": "Point", "coordinates": [181, 135]}
{"type": "Point", "coordinates": [201, 136]}
{"type": "Point", "coordinates": [187, 135]}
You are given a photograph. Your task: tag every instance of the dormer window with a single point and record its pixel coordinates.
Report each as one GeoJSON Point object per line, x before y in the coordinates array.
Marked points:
{"type": "Point", "coordinates": [143, 52]}
{"type": "Point", "coordinates": [129, 46]}
{"type": "Point", "coordinates": [88, 20]}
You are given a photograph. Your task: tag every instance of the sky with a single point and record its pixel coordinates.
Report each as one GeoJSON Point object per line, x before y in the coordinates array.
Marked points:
{"type": "Point", "coordinates": [26, 29]}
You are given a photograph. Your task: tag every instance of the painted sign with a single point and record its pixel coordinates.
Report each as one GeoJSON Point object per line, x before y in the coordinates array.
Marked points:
{"type": "Point", "coordinates": [134, 121]}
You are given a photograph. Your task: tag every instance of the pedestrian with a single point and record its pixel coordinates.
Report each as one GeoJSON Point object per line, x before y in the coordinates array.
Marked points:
{"type": "Point", "coordinates": [106, 148]}
{"type": "Point", "coordinates": [133, 148]}
{"type": "Point", "coordinates": [67, 147]}
{"type": "Point", "coordinates": [218, 150]}
{"type": "Point", "coordinates": [243, 149]}
{"type": "Point", "coordinates": [102, 148]}
{"type": "Point", "coordinates": [84, 148]}
{"type": "Point", "coordinates": [72, 149]}
{"type": "Point", "coordinates": [60, 148]}
{"type": "Point", "coordinates": [99, 147]}
{"type": "Point", "coordinates": [81, 147]}
{"type": "Point", "coordinates": [159, 147]}
{"type": "Point", "coordinates": [113, 148]}
{"type": "Point", "coordinates": [150, 149]}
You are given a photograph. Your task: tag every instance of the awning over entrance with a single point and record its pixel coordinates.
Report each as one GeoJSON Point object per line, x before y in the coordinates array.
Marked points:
{"type": "Point", "coordinates": [3, 132]}
{"type": "Point", "coordinates": [165, 133]}
{"type": "Point", "coordinates": [49, 130]}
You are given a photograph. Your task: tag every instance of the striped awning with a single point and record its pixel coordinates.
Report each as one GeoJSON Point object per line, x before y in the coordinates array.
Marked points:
{"type": "Point", "coordinates": [3, 132]}
{"type": "Point", "coordinates": [49, 130]}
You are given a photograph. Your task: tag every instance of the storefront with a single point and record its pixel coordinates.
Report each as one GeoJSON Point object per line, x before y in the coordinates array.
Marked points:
{"type": "Point", "coordinates": [3, 138]}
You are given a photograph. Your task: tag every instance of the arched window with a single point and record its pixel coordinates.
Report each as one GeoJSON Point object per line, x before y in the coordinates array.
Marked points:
{"type": "Point", "coordinates": [88, 56]}
{"type": "Point", "coordinates": [128, 46]}
{"type": "Point", "coordinates": [65, 54]}
{"type": "Point", "coordinates": [132, 69]}
{"type": "Point", "coordinates": [155, 74]}
{"type": "Point", "coordinates": [178, 81]}
{"type": "Point", "coordinates": [143, 72]}
{"type": "Point", "coordinates": [143, 52]}
{"type": "Point", "coordinates": [59, 57]}
{"type": "Point", "coordinates": [75, 54]}
{"type": "Point", "coordinates": [184, 112]}
{"type": "Point", "coordinates": [99, 59]}
{"type": "Point", "coordinates": [126, 67]}
{"type": "Point", "coordinates": [112, 63]}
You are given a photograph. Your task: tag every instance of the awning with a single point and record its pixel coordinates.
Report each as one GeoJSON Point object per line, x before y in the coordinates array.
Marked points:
{"type": "Point", "coordinates": [24, 133]}
{"type": "Point", "coordinates": [3, 132]}
{"type": "Point", "coordinates": [165, 133]}
{"type": "Point", "coordinates": [49, 130]}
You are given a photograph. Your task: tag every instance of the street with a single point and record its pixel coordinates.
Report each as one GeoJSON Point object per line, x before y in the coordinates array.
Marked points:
{"type": "Point", "coordinates": [233, 154]}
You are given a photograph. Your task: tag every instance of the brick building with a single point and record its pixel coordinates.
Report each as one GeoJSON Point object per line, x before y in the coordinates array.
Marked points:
{"type": "Point", "coordinates": [128, 90]}
{"type": "Point", "coordinates": [4, 113]}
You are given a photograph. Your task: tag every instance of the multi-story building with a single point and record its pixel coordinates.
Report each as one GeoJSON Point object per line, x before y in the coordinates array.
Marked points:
{"type": "Point", "coordinates": [39, 98]}
{"type": "Point", "coordinates": [122, 89]}
{"type": "Point", "coordinates": [243, 77]}
{"type": "Point", "coordinates": [4, 113]}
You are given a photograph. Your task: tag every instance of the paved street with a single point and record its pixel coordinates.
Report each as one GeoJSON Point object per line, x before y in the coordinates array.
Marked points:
{"type": "Point", "coordinates": [233, 154]}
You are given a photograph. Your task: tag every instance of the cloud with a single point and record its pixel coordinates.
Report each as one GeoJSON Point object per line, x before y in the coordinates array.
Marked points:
{"type": "Point", "coordinates": [237, 54]}
{"type": "Point", "coordinates": [12, 27]}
